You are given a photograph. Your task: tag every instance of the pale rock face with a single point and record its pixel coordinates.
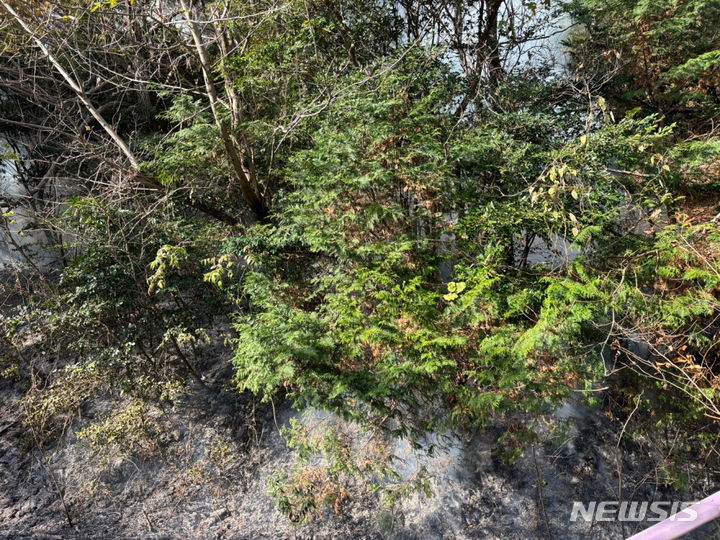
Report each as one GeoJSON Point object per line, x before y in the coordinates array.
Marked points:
{"type": "Point", "coordinates": [19, 229]}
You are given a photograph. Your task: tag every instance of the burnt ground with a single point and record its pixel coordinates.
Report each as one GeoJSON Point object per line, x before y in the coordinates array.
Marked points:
{"type": "Point", "coordinates": [208, 473]}
{"type": "Point", "coordinates": [206, 476]}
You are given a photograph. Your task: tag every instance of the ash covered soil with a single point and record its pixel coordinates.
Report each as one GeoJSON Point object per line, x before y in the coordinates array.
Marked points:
{"type": "Point", "coordinates": [207, 477]}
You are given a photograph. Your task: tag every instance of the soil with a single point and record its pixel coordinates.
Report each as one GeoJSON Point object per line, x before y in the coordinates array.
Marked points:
{"type": "Point", "coordinates": [207, 478]}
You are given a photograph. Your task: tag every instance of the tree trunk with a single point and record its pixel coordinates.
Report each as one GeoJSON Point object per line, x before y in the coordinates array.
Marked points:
{"type": "Point", "coordinates": [235, 156]}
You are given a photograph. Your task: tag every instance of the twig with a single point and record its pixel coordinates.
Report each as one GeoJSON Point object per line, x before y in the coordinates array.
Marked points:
{"type": "Point", "coordinates": [147, 520]}
{"type": "Point", "coordinates": [541, 504]}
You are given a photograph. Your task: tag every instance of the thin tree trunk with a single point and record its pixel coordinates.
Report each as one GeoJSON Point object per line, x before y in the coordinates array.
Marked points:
{"type": "Point", "coordinates": [242, 172]}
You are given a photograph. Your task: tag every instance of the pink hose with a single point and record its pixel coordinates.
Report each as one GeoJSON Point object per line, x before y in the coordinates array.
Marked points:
{"type": "Point", "coordinates": [683, 522]}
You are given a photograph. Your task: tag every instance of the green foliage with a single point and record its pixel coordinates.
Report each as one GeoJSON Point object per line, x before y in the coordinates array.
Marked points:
{"type": "Point", "coordinates": [128, 431]}
{"type": "Point", "coordinates": [338, 461]}
{"type": "Point", "coordinates": [168, 258]}
{"type": "Point", "coordinates": [438, 253]}
{"type": "Point", "coordinates": [51, 410]}
{"type": "Point", "coordinates": [391, 195]}
{"type": "Point", "coordinates": [665, 52]}
{"type": "Point", "coordinates": [698, 163]}
{"type": "Point", "coordinates": [115, 338]}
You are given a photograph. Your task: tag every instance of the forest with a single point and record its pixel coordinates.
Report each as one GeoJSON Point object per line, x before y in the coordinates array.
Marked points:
{"type": "Point", "coordinates": [356, 268]}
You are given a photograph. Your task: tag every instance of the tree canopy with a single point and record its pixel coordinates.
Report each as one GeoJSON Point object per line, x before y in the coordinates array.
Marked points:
{"type": "Point", "coordinates": [407, 213]}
